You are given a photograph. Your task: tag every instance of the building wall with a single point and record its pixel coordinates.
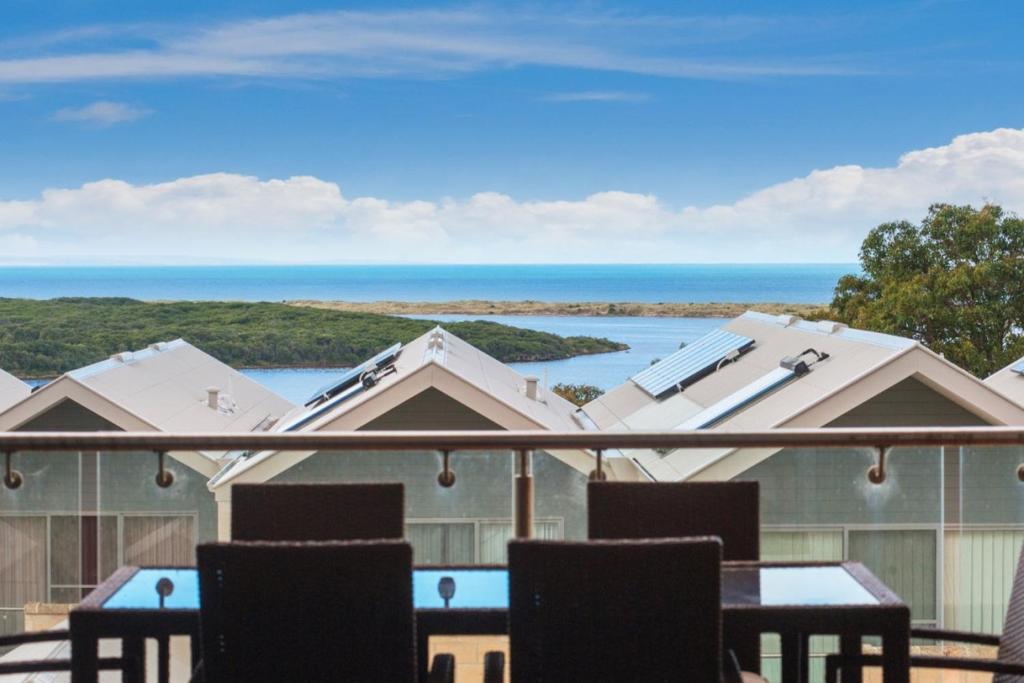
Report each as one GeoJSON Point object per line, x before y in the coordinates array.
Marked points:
{"type": "Point", "coordinates": [114, 482]}
{"type": "Point", "coordinates": [909, 403]}
{"type": "Point", "coordinates": [829, 485]}
{"type": "Point", "coordinates": [431, 410]}
{"type": "Point", "coordinates": [483, 486]}
{"type": "Point", "coordinates": [923, 530]}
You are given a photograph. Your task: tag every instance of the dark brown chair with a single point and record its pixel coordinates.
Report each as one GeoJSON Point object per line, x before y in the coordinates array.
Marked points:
{"type": "Point", "coordinates": [1008, 666]}
{"type": "Point", "coordinates": [728, 509]}
{"type": "Point", "coordinates": [645, 610]}
{"type": "Point", "coordinates": [325, 611]}
{"type": "Point", "coordinates": [317, 512]}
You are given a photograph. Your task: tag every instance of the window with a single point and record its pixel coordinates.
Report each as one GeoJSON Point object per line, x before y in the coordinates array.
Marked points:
{"type": "Point", "coordinates": [22, 568]}
{"type": "Point", "coordinates": [167, 540]}
{"type": "Point", "coordinates": [84, 553]}
{"type": "Point", "coordinates": [806, 546]}
{"type": "Point", "coordinates": [494, 538]}
{"type": "Point", "coordinates": [442, 543]}
{"type": "Point", "coordinates": [905, 561]}
{"type": "Point", "coordinates": [60, 557]}
{"type": "Point", "coordinates": [469, 541]}
{"type": "Point", "coordinates": [979, 568]}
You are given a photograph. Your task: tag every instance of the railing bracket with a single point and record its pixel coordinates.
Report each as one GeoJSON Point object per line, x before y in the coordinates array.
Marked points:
{"type": "Point", "coordinates": [876, 473]}
{"type": "Point", "coordinates": [447, 477]}
{"type": "Point", "coordinates": [12, 477]}
{"type": "Point", "coordinates": [164, 477]}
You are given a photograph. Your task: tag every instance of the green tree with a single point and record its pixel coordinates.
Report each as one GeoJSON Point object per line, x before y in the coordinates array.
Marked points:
{"type": "Point", "coordinates": [580, 394]}
{"type": "Point", "coordinates": [955, 282]}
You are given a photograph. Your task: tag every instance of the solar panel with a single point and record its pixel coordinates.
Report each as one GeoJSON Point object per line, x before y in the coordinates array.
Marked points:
{"type": "Point", "coordinates": [690, 363]}
{"type": "Point", "coordinates": [351, 377]}
{"type": "Point", "coordinates": [335, 400]}
{"type": "Point", "coordinates": [1018, 367]}
{"type": "Point", "coordinates": [739, 400]}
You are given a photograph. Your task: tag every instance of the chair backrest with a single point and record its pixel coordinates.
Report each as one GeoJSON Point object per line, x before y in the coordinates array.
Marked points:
{"type": "Point", "coordinates": [316, 512]}
{"type": "Point", "coordinates": [727, 509]}
{"type": "Point", "coordinates": [1011, 643]}
{"type": "Point", "coordinates": [615, 610]}
{"type": "Point", "coordinates": [325, 611]}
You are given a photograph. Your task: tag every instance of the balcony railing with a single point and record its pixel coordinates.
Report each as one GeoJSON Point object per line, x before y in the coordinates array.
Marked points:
{"type": "Point", "coordinates": [938, 514]}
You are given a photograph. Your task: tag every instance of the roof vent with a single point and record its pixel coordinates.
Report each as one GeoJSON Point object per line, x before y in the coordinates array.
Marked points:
{"type": "Point", "coordinates": [531, 388]}
{"type": "Point", "coordinates": [123, 357]}
{"type": "Point", "coordinates": [830, 326]}
{"type": "Point", "coordinates": [786, 320]}
{"type": "Point", "coordinates": [158, 346]}
{"type": "Point", "coordinates": [213, 398]}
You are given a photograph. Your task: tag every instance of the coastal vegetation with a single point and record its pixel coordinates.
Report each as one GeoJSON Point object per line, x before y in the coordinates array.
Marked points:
{"type": "Point", "coordinates": [626, 309]}
{"type": "Point", "coordinates": [43, 338]}
{"type": "Point", "coordinates": [955, 282]}
{"type": "Point", "coordinates": [579, 394]}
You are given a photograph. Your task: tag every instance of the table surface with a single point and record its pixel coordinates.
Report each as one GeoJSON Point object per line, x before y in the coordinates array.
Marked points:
{"type": "Point", "coordinates": [487, 588]}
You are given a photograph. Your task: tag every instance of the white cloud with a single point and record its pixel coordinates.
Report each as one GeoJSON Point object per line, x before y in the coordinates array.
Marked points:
{"type": "Point", "coordinates": [822, 216]}
{"type": "Point", "coordinates": [102, 113]}
{"type": "Point", "coordinates": [598, 96]}
{"type": "Point", "coordinates": [417, 43]}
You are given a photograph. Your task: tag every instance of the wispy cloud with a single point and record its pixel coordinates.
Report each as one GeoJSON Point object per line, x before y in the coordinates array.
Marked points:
{"type": "Point", "coordinates": [412, 43]}
{"type": "Point", "coordinates": [598, 96]}
{"type": "Point", "coordinates": [102, 113]}
{"type": "Point", "coordinates": [821, 216]}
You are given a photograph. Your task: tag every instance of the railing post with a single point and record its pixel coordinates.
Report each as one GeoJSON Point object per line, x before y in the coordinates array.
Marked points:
{"type": "Point", "coordinates": [522, 494]}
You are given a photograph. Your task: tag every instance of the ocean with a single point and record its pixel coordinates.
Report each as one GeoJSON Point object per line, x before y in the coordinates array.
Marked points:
{"type": "Point", "coordinates": [787, 283]}
{"type": "Point", "coordinates": [648, 338]}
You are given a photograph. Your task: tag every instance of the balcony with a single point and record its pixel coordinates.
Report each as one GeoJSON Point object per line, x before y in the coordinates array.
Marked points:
{"type": "Point", "coordinates": [935, 514]}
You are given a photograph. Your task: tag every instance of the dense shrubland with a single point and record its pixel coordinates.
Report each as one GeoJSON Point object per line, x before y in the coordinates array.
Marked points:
{"type": "Point", "coordinates": [41, 338]}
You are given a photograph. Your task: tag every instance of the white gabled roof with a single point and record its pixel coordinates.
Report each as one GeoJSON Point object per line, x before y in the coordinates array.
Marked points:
{"type": "Point", "coordinates": [860, 365]}
{"type": "Point", "coordinates": [440, 360]}
{"type": "Point", "coordinates": [12, 390]}
{"type": "Point", "coordinates": [160, 388]}
{"type": "Point", "coordinates": [442, 349]}
{"type": "Point", "coordinates": [1009, 381]}
{"type": "Point", "coordinates": [166, 384]}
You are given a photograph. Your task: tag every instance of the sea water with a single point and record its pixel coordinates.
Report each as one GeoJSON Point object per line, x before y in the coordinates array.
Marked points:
{"type": "Point", "coordinates": [697, 283]}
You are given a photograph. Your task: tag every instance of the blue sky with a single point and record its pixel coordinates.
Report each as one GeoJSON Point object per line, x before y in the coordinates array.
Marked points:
{"type": "Point", "coordinates": [405, 107]}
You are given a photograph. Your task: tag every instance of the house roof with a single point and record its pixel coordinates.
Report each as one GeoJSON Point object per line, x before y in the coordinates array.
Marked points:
{"type": "Point", "coordinates": [855, 366]}
{"type": "Point", "coordinates": [436, 359]}
{"type": "Point", "coordinates": [1009, 381]}
{"type": "Point", "coordinates": [12, 390]}
{"type": "Point", "coordinates": [163, 387]}
{"type": "Point", "coordinates": [167, 385]}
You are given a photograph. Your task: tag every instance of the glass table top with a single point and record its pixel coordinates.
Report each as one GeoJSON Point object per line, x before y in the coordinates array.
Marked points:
{"type": "Point", "coordinates": [804, 586]}
{"type": "Point", "coordinates": [488, 588]}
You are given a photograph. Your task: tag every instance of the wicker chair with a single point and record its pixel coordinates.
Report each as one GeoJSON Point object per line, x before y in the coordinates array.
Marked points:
{"type": "Point", "coordinates": [323, 611]}
{"type": "Point", "coordinates": [726, 509]}
{"type": "Point", "coordinates": [1008, 666]}
{"type": "Point", "coordinates": [729, 510]}
{"type": "Point", "coordinates": [316, 512]}
{"type": "Point", "coordinates": [645, 610]}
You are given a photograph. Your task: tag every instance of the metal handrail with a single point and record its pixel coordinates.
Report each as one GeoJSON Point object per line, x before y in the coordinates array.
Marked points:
{"type": "Point", "coordinates": [521, 444]}
{"type": "Point", "coordinates": [456, 440]}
